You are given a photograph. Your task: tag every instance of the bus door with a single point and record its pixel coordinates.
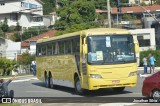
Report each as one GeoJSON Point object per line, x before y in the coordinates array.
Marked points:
{"type": "Point", "coordinates": [83, 63]}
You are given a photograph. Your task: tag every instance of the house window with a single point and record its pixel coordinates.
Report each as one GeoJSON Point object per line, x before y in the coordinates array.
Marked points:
{"type": "Point", "coordinates": [25, 5]}
{"type": "Point", "coordinates": [37, 19]}
{"type": "Point", "coordinates": [144, 42]}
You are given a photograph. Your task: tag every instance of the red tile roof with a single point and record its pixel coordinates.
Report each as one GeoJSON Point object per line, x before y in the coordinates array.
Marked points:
{"type": "Point", "coordinates": [136, 9]}
{"type": "Point", "coordinates": [50, 33]}
{"type": "Point", "coordinates": [25, 44]}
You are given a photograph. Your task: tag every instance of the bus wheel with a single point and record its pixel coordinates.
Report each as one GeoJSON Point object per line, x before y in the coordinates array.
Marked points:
{"type": "Point", "coordinates": [47, 82]}
{"type": "Point", "coordinates": [118, 89]}
{"type": "Point", "coordinates": [78, 88]}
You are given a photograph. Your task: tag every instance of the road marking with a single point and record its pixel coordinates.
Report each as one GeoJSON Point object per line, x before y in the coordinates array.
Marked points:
{"type": "Point", "coordinates": [117, 104]}
{"type": "Point", "coordinates": [21, 80]}
{"type": "Point", "coordinates": [144, 75]}
{"type": "Point", "coordinates": [37, 91]}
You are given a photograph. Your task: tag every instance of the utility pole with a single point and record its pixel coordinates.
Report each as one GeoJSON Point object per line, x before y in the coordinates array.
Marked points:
{"type": "Point", "coordinates": [109, 13]}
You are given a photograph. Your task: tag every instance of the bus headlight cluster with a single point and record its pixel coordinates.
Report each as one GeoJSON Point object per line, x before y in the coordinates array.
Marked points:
{"type": "Point", "coordinates": [132, 73]}
{"type": "Point", "coordinates": [95, 76]}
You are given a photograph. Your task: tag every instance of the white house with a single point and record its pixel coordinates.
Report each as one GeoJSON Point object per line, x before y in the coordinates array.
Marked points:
{"type": "Point", "coordinates": [13, 49]}
{"type": "Point", "coordinates": [9, 49]}
{"type": "Point", "coordinates": [30, 44]}
{"type": "Point", "coordinates": [3, 46]}
{"type": "Point", "coordinates": [140, 1]}
{"type": "Point", "coordinates": [27, 12]}
{"type": "Point", "coordinates": [146, 38]}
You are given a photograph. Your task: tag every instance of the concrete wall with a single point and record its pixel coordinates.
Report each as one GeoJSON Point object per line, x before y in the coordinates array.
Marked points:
{"type": "Point", "coordinates": [13, 49]}
{"type": "Point", "coordinates": [24, 13]}
{"type": "Point", "coordinates": [147, 34]}
{"type": "Point", "coordinates": [3, 46]}
{"type": "Point", "coordinates": [32, 47]}
{"type": "Point", "coordinates": [141, 1]}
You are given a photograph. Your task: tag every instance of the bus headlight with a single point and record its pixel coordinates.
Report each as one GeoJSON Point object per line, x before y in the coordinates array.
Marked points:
{"type": "Point", "coordinates": [95, 76]}
{"type": "Point", "coordinates": [132, 73]}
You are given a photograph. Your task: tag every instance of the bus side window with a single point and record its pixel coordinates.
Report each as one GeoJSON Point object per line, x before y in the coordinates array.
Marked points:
{"type": "Point", "coordinates": [76, 45]}
{"type": "Point", "coordinates": [49, 49]}
{"type": "Point", "coordinates": [38, 51]}
{"type": "Point", "coordinates": [54, 49]}
{"type": "Point", "coordinates": [44, 50]}
{"type": "Point", "coordinates": [68, 47]}
{"type": "Point", "coordinates": [61, 47]}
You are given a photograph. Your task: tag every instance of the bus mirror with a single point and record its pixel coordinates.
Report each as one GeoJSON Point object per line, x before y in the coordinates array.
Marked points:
{"type": "Point", "coordinates": [136, 48]}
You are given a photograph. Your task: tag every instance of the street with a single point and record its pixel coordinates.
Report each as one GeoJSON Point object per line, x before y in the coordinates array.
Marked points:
{"type": "Point", "coordinates": [30, 86]}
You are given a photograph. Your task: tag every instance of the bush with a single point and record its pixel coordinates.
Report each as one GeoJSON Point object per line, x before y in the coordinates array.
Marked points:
{"type": "Point", "coordinates": [156, 54]}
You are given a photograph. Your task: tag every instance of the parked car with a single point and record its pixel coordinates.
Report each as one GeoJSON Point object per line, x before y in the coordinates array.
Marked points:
{"type": "Point", "coordinates": [151, 86]}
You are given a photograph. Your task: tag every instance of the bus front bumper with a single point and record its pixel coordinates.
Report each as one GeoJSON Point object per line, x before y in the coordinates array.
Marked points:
{"type": "Point", "coordinates": [95, 84]}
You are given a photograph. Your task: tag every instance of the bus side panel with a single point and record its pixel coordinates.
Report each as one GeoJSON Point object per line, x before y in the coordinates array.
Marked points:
{"type": "Point", "coordinates": [62, 67]}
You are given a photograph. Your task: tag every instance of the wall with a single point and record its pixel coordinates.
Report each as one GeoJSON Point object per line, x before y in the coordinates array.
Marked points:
{"type": "Point", "coordinates": [24, 12]}
{"type": "Point", "coordinates": [13, 49]}
{"type": "Point", "coordinates": [32, 47]}
{"type": "Point", "coordinates": [10, 7]}
{"type": "Point", "coordinates": [3, 46]}
{"type": "Point", "coordinates": [147, 34]}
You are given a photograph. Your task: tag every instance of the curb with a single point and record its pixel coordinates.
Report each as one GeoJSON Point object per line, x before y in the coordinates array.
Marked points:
{"type": "Point", "coordinates": [18, 76]}
{"type": "Point", "coordinates": [141, 68]}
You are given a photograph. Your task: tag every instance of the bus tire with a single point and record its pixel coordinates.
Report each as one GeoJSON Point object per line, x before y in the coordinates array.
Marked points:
{"type": "Point", "coordinates": [47, 82]}
{"type": "Point", "coordinates": [78, 89]}
{"type": "Point", "coordinates": [118, 89]}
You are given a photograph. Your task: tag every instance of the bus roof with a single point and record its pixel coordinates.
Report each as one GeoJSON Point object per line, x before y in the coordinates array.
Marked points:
{"type": "Point", "coordinates": [94, 31]}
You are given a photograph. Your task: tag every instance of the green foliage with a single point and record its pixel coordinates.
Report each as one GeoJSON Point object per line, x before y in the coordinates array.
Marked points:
{"type": "Point", "coordinates": [1, 33]}
{"type": "Point", "coordinates": [4, 62]}
{"type": "Point", "coordinates": [18, 27]}
{"type": "Point", "coordinates": [26, 58]}
{"type": "Point", "coordinates": [4, 26]}
{"type": "Point", "coordinates": [75, 16]}
{"type": "Point", "coordinates": [11, 28]}
{"type": "Point", "coordinates": [16, 37]}
{"type": "Point", "coordinates": [156, 54]}
{"type": "Point", "coordinates": [156, 1]}
{"type": "Point", "coordinates": [33, 31]}
{"type": "Point", "coordinates": [48, 6]}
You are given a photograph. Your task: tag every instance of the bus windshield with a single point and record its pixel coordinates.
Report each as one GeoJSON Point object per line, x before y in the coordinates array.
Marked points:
{"type": "Point", "coordinates": [112, 49]}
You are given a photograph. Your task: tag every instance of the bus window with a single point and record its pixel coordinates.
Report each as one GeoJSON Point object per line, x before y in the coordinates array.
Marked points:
{"type": "Point", "coordinates": [49, 49]}
{"type": "Point", "coordinates": [44, 50]}
{"type": "Point", "coordinates": [39, 51]}
{"type": "Point", "coordinates": [76, 45]}
{"type": "Point", "coordinates": [68, 47]}
{"type": "Point", "coordinates": [61, 47]}
{"type": "Point", "coordinates": [54, 48]}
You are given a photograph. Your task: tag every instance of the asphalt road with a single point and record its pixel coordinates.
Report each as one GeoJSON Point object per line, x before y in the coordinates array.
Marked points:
{"type": "Point", "coordinates": [31, 87]}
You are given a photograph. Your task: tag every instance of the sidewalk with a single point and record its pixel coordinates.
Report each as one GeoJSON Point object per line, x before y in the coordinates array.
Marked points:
{"type": "Point", "coordinates": [142, 68]}
{"type": "Point", "coordinates": [17, 76]}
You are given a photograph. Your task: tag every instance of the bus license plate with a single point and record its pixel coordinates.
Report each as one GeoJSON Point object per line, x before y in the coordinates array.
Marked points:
{"type": "Point", "coordinates": [115, 81]}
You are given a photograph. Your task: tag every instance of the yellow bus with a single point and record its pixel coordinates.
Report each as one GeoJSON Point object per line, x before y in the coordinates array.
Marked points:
{"type": "Point", "coordinates": [88, 60]}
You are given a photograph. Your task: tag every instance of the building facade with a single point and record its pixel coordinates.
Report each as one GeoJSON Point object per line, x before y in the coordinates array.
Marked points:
{"type": "Point", "coordinates": [146, 38]}
{"type": "Point", "coordinates": [27, 12]}
{"type": "Point", "coordinates": [140, 1]}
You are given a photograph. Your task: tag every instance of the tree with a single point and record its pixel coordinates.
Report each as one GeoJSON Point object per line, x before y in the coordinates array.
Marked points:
{"type": "Point", "coordinates": [1, 33]}
{"type": "Point", "coordinates": [49, 6]}
{"type": "Point", "coordinates": [4, 26]}
{"type": "Point", "coordinates": [78, 13]}
{"type": "Point", "coordinates": [156, 1]}
{"type": "Point", "coordinates": [26, 58]}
